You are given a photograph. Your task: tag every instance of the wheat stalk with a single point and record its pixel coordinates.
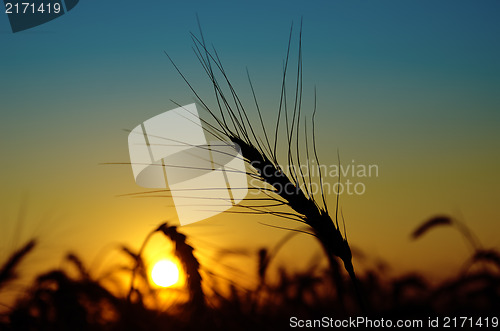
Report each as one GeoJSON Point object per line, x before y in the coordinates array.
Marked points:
{"type": "Point", "coordinates": [443, 220]}
{"type": "Point", "coordinates": [184, 253]}
{"type": "Point", "coordinates": [8, 272]}
{"type": "Point", "coordinates": [232, 122]}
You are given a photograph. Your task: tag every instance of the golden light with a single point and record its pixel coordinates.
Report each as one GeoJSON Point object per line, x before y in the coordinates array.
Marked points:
{"type": "Point", "coordinates": [165, 273]}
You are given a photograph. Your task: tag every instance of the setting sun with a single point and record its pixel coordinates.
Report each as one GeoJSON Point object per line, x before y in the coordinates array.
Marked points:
{"type": "Point", "coordinates": [165, 273]}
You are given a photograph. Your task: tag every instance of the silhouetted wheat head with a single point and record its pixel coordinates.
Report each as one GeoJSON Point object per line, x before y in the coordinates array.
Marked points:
{"type": "Point", "coordinates": [8, 270]}
{"type": "Point", "coordinates": [184, 252]}
{"type": "Point", "coordinates": [190, 263]}
{"type": "Point", "coordinates": [290, 188]}
{"type": "Point", "coordinates": [479, 253]}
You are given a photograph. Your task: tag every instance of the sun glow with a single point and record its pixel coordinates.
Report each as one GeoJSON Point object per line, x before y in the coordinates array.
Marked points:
{"type": "Point", "coordinates": [165, 273]}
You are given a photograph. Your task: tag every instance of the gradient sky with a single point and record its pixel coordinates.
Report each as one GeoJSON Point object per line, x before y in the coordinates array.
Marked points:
{"type": "Point", "coordinates": [410, 86]}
